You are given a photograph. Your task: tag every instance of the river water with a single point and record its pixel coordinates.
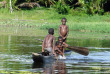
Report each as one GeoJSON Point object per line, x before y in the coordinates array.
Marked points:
{"type": "Point", "coordinates": [16, 55]}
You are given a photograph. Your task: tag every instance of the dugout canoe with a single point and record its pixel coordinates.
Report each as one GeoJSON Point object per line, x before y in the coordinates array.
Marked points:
{"type": "Point", "coordinates": [38, 57]}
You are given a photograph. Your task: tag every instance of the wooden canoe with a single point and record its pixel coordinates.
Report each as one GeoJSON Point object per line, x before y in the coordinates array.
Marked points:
{"type": "Point", "coordinates": [37, 57]}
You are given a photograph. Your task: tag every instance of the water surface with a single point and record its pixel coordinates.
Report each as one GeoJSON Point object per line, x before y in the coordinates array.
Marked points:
{"type": "Point", "coordinates": [15, 53]}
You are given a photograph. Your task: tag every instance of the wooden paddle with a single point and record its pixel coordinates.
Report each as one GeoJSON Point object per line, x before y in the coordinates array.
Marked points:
{"type": "Point", "coordinates": [80, 50]}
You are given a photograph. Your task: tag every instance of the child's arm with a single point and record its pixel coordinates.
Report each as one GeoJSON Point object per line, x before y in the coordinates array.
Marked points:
{"type": "Point", "coordinates": [63, 49]}
{"type": "Point", "coordinates": [53, 45]}
{"type": "Point", "coordinates": [55, 53]}
{"type": "Point", "coordinates": [65, 45]}
{"type": "Point", "coordinates": [67, 32]}
{"type": "Point", "coordinates": [60, 52]}
{"type": "Point", "coordinates": [60, 31]}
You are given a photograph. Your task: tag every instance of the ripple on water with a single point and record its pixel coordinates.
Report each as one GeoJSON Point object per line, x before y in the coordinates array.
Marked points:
{"type": "Point", "coordinates": [75, 62]}
{"type": "Point", "coordinates": [92, 57]}
{"type": "Point", "coordinates": [17, 58]}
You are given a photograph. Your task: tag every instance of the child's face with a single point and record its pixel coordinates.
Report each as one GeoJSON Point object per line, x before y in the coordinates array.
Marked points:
{"type": "Point", "coordinates": [63, 21]}
{"type": "Point", "coordinates": [60, 40]}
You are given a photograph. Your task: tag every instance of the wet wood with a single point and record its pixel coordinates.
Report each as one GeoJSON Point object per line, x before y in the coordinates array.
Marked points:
{"type": "Point", "coordinates": [80, 50]}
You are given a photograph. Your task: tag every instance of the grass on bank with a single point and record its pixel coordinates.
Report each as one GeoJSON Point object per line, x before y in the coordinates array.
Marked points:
{"type": "Point", "coordinates": [44, 18]}
{"type": "Point", "coordinates": [18, 72]}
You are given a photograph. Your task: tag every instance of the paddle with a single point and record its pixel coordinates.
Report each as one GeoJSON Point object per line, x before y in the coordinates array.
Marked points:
{"type": "Point", "coordinates": [80, 50]}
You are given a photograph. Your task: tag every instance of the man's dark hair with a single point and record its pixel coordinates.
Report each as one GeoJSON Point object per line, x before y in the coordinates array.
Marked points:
{"type": "Point", "coordinates": [64, 19]}
{"type": "Point", "coordinates": [51, 31]}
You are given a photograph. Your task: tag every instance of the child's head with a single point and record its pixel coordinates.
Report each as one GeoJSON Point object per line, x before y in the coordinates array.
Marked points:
{"type": "Point", "coordinates": [59, 42]}
{"type": "Point", "coordinates": [63, 21]}
{"type": "Point", "coordinates": [51, 31]}
{"type": "Point", "coordinates": [60, 39]}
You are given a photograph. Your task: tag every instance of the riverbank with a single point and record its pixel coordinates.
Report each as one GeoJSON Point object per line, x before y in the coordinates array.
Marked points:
{"type": "Point", "coordinates": [37, 21]}
{"type": "Point", "coordinates": [28, 30]}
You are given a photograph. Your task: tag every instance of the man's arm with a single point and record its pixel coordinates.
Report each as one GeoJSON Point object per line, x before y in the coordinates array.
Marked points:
{"type": "Point", "coordinates": [53, 45]}
{"type": "Point", "coordinates": [43, 46]}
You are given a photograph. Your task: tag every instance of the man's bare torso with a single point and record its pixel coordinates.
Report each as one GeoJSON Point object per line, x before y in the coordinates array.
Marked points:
{"type": "Point", "coordinates": [48, 41]}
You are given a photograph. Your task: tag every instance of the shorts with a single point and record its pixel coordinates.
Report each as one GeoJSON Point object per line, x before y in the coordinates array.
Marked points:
{"type": "Point", "coordinates": [50, 50]}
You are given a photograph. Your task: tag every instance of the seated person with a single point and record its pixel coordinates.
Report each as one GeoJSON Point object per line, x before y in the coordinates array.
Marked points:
{"type": "Point", "coordinates": [60, 47]}
{"type": "Point", "coordinates": [48, 44]}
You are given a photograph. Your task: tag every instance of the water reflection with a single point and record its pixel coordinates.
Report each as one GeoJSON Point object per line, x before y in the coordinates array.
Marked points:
{"type": "Point", "coordinates": [16, 51]}
{"type": "Point", "coordinates": [19, 44]}
{"type": "Point", "coordinates": [59, 67]}
{"type": "Point", "coordinates": [56, 67]}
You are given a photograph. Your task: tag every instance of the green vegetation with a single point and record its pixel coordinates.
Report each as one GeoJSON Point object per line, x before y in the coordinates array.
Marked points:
{"type": "Point", "coordinates": [64, 6]}
{"type": "Point", "coordinates": [17, 72]}
{"type": "Point", "coordinates": [48, 18]}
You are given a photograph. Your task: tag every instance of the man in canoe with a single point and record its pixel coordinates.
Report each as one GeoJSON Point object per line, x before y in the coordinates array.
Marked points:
{"type": "Point", "coordinates": [49, 42]}
{"type": "Point", "coordinates": [63, 29]}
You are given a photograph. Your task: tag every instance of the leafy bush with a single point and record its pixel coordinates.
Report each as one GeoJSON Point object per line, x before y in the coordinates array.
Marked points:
{"type": "Point", "coordinates": [62, 8]}
{"type": "Point", "coordinates": [101, 12]}
{"type": "Point", "coordinates": [107, 13]}
{"type": "Point", "coordinates": [89, 10]}
{"type": "Point", "coordinates": [46, 3]}
{"type": "Point", "coordinates": [78, 11]}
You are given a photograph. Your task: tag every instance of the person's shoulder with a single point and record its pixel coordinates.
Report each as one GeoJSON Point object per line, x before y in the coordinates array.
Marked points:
{"type": "Point", "coordinates": [52, 36]}
{"type": "Point", "coordinates": [47, 35]}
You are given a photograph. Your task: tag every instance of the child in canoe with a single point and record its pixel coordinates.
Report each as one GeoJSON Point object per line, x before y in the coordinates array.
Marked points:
{"type": "Point", "coordinates": [60, 47]}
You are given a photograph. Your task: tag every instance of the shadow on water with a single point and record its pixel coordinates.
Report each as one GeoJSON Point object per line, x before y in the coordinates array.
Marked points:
{"type": "Point", "coordinates": [16, 54]}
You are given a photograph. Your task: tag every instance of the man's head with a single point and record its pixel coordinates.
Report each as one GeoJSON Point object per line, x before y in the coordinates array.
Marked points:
{"type": "Point", "coordinates": [60, 39]}
{"type": "Point", "coordinates": [63, 21]}
{"type": "Point", "coordinates": [51, 31]}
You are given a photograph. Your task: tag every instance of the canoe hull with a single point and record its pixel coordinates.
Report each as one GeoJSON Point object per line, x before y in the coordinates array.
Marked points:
{"type": "Point", "coordinates": [41, 59]}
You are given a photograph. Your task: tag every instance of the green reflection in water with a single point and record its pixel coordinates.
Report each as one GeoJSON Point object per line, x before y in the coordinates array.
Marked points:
{"type": "Point", "coordinates": [16, 51]}
{"type": "Point", "coordinates": [19, 45]}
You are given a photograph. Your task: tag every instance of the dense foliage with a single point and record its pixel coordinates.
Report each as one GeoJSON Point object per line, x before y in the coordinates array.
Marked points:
{"type": "Point", "coordinates": [65, 6]}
